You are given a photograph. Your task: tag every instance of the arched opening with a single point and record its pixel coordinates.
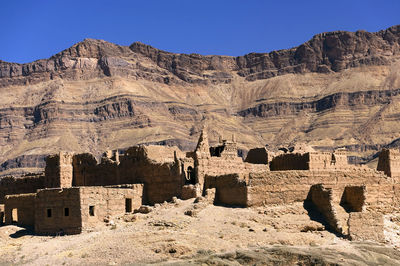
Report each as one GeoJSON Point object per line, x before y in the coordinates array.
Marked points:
{"type": "Point", "coordinates": [190, 176]}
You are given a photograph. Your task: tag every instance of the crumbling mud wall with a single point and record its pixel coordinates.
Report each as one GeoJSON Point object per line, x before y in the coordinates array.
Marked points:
{"type": "Point", "coordinates": [58, 170]}
{"type": "Point", "coordinates": [354, 198]}
{"type": "Point", "coordinates": [290, 161]}
{"type": "Point", "coordinates": [84, 169]}
{"type": "Point", "coordinates": [58, 211]}
{"type": "Point", "coordinates": [322, 199]}
{"type": "Point", "coordinates": [258, 156]}
{"type": "Point", "coordinates": [20, 209]}
{"type": "Point", "coordinates": [99, 202]}
{"type": "Point", "coordinates": [283, 187]}
{"type": "Point", "coordinates": [389, 162]}
{"type": "Point", "coordinates": [26, 184]}
{"type": "Point", "coordinates": [230, 189]}
{"type": "Point", "coordinates": [154, 166]}
{"type": "Point", "coordinates": [366, 226]}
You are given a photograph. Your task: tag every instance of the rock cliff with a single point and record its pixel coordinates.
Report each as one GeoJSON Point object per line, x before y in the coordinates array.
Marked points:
{"type": "Point", "coordinates": [339, 89]}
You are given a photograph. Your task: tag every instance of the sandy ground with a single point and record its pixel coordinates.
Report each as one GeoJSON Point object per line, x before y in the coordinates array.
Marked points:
{"type": "Point", "coordinates": [168, 234]}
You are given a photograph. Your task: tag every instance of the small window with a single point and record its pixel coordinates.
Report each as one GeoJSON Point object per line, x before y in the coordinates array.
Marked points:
{"type": "Point", "coordinates": [128, 205]}
{"type": "Point", "coordinates": [91, 210]}
{"type": "Point", "coordinates": [66, 211]}
{"type": "Point", "coordinates": [48, 213]}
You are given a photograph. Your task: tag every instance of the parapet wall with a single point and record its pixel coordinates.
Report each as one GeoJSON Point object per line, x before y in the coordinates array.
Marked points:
{"type": "Point", "coordinates": [26, 184]}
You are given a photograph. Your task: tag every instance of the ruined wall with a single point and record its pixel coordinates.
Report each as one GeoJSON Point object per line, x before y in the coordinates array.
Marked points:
{"type": "Point", "coordinates": [51, 216]}
{"type": "Point", "coordinates": [58, 170]}
{"type": "Point", "coordinates": [389, 162]}
{"type": "Point", "coordinates": [257, 156]}
{"type": "Point", "coordinates": [217, 166]}
{"type": "Point", "coordinates": [25, 209]}
{"type": "Point", "coordinates": [319, 160]}
{"type": "Point", "coordinates": [230, 189]}
{"type": "Point", "coordinates": [322, 199]}
{"type": "Point", "coordinates": [290, 161]}
{"type": "Point", "coordinates": [282, 187]}
{"type": "Point", "coordinates": [84, 169]}
{"type": "Point", "coordinates": [98, 202]}
{"type": "Point", "coordinates": [366, 226]}
{"type": "Point", "coordinates": [353, 198]}
{"type": "Point", "coordinates": [154, 166]}
{"type": "Point", "coordinates": [26, 184]}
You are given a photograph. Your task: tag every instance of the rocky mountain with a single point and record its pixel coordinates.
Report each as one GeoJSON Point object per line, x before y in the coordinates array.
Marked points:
{"type": "Point", "coordinates": [339, 89]}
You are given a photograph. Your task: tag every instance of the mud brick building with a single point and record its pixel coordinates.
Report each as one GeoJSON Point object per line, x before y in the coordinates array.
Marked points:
{"type": "Point", "coordinates": [76, 192]}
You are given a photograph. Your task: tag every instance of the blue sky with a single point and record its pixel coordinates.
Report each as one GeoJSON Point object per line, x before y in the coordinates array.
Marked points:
{"type": "Point", "coordinates": [37, 29]}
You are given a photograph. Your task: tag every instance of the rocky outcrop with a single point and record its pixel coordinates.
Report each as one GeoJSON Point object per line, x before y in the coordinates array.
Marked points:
{"type": "Point", "coordinates": [326, 52]}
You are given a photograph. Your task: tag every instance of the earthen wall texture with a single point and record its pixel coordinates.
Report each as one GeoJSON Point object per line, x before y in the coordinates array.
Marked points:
{"type": "Point", "coordinates": [215, 166]}
{"type": "Point", "coordinates": [230, 189]}
{"type": "Point", "coordinates": [322, 198]}
{"type": "Point", "coordinates": [162, 177]}
{"type": "Point", "coordinates": [59, 170]}
{"type": "Point", "coordinates": [257, 156]}
{"type": "Point", "coordinates": [353, 198]}
{"type": "Point", "coordinates": [50, 211]}
{"type": "Point", "coordinates": [98, 202]}
{"type": "Point", "coordinates": [25, 205]}
{"type": "Point", "coordinates": [27, 184]}
{"type": "Point", "coordinates": [282, 187]}
{"type": "Point", "coordinates": [290, 161]}
{"type": "Point", "coordinates": [389, 162]}
{"type": "Point", "coordinates": [366, 226]}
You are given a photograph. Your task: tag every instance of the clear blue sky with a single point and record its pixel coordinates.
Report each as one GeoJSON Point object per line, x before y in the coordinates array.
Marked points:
{"type": "Point", "coordinates": [36, 29]}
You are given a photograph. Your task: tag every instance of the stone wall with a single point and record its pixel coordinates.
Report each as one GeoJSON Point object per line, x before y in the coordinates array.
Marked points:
{"type": "Point", "coordinates": [58, 211]}
{"type": "Point", "coordinates": [26, 184]}
{"type": "Point", "coordinates": [20, 209]}
{"type": "Point", "coordinates": [282, 187]}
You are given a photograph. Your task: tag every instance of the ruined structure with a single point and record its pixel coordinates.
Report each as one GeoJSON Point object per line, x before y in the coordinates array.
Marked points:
{"type": "Point", "coordinates": [77, 193]}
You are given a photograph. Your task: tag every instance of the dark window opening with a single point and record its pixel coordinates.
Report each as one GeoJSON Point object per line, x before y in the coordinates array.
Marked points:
{"type": "Point", "coordinates": [128, 205]}
{"type": "Point", "coordinates": [66, 211]}
{"type": "Point", "coordinates": [91, 210]}
{"type": "Point", "coordinates": [48, 213]}
{"type": "Point", "coordinates": [190, 176]}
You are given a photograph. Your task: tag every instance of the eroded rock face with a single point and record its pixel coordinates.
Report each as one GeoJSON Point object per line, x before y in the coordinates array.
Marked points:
{"type": "Point", "coordinates": [339, 89]}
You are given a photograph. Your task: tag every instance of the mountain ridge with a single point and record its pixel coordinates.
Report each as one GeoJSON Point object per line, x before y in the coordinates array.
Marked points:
{"type": "Point", "coordinates": [338, 89]}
